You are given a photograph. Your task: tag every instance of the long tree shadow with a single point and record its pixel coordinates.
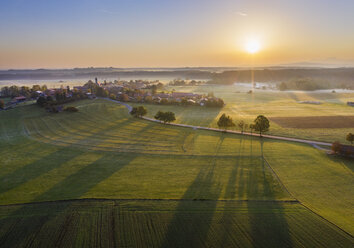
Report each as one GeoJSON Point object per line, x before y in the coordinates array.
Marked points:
{"type": "Point", "coordinates": [47, 163]}
{"type": "Point", "coordinates": [188, 229]}
{"type": "Point", "coordinates": [72, 187]}
{"type": "Point", "coordinates": [139, 134]}
{"type": "Point", "coordinates": [347, 162]}
{"type": "Point", "coordinates": [268, 224]}
{"type": "Point", "coordinates": [20, 227]}
{"type": "Point", "coordinates": [37, 168]}
{"type": "Point", "coordinates": [77, 184]}
{"type": "Point", "coordinates": [231, 193]}
{"type": "Point", "coordinates": [53, 160]}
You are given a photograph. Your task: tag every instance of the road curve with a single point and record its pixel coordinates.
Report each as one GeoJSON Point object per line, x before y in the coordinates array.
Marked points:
{"type": "Point", "coordinates": [310, 142]}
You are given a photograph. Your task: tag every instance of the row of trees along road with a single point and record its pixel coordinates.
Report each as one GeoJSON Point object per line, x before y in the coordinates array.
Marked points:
{"type": "Point", "coordinates": [138, 111]}
{"type": "Point", "coordinates": [165, 117]}
{"type": "Point", "coordinates": [260, 124]}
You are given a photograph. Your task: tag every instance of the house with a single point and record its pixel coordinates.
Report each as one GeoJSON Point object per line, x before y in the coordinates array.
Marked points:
{"type": "Point", "coordinates": [350, 104]}
{"type": "Point", "coordinates": [50, 92]}
{"type": "Point", "coordinates": [80, 88]}
{"type": "Point", "coordinates": [90, 95]}
{"type": "Point", "coordinates": [18, 99]}
{"type": "Point", "coordinates": [203, 101]}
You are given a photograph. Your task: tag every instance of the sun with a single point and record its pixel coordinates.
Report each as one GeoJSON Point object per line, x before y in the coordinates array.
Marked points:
{"type": "Point", "coordinates": [253, 46]}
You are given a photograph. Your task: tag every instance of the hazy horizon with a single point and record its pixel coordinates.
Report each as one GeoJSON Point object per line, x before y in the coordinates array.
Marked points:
{"type": "Point", "coordinates": [294, 65]}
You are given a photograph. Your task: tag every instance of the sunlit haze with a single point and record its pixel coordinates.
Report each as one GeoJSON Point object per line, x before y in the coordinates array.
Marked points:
{"type": "Point", "coordinates": [252, 46]}
{"type": "Point", "coordinates": [156, 33]}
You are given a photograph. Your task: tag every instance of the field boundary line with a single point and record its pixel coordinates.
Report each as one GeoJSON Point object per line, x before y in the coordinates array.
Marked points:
{"type": "Point", "coordinates": [280, 181]}
{"type": "Point", "coordinates": [149, 199]}
{"type": "Point", "coordinates": [302, 204]}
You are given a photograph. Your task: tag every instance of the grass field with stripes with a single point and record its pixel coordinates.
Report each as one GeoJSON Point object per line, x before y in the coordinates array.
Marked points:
{"type": "Point", "coordinates": [77, 177]}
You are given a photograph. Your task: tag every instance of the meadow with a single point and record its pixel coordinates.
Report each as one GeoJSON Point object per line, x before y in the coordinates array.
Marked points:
{"type": "Point", "coordinates": [100, 177]}
{"type": "Point", "coordinates": [113, 223]}
{"type": "Point", "coordinates": [273, 104]}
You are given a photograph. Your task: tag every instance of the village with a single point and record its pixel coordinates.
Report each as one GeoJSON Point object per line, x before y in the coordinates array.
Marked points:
{"type": "Point", "coordinates": [140, 91]}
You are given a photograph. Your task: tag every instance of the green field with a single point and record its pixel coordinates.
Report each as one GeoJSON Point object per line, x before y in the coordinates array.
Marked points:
{"type": "Point", "coordinates": [246, 107]}
{"type": "Point", "coordinates": [162, 185]}
{"type": "Point", "coordinates": [165, 224]}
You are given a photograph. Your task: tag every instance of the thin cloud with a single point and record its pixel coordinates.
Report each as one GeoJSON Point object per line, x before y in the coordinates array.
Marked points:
{"type": "Point", "coordinates": [240, 13]}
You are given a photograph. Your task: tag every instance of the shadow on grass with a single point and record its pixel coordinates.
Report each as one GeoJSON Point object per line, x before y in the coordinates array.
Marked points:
{"type": "Point", "coordinates": [37, 168]}
{"type": "Point", "coordinates": [189, 228]}
{"type": "Point", "coordinates": [231, 193]}
{"type": "Point", "coordinates": [47, 163]}
{"type": "Point", "coordinates": [22, 231]}
{"type": "Point", "coordinates": [21, 227]}
{"type": "Point", "coordinates": [346, 161]}
{"type": "Point", "coordinates": [268, 224]}
{"type": "Point", "coordinates": [77, 184]}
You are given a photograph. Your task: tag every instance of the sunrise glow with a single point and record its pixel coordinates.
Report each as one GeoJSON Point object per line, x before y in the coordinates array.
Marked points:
{"type": "Point", "coordinates": [252, 46]}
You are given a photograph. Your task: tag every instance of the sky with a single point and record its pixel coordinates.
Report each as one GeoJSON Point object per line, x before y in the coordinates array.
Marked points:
{"type": "Point", "coordinates": [170, 33]}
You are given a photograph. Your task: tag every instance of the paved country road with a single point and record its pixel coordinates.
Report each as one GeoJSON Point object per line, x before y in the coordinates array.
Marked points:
{"type": "Point", "coordinates": [314, 143]}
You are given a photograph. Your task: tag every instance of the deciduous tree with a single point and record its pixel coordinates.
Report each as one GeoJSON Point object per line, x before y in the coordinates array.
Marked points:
{"type": "Point", "coordinates": [350, 138]}
{"type": "Point", "coordinates": [112, 96]}
{"type": "Point", "coordinates": [225, 122]}
{"type": "Point", "coordinates": [336, 147]}
{"type": "Point", "coordinates": [251, 127]}
{"type": "Point", "coordinates": [165, 116]}
{"type": "Point", "coordinates": [123, 97]}
{"type": "Point", "coordinates": [241, 125]}
{"type": "Point", "coordinates": [138, 111]}
{"type": "Point", "coordinates": [261, 124]}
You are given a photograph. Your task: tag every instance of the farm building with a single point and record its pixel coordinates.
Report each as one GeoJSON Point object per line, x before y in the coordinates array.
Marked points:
{"type": "Point", "coordinates": [18, 99]}
{"type": "Point", "coordinates": [90, 95]}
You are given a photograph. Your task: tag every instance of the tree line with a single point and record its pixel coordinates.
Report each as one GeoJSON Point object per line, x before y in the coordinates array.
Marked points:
{"type": "Point", "coordinates": [165, 117]}
{"type": "Point", "coordinates": [260, 124]}
{"type": "Point", "coordinates": [15, 91]}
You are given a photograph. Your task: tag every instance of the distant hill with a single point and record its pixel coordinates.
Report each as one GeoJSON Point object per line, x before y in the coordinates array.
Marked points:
{"type": "Point", "coordinates": [42, 74]}
{"type": "Point", "coordinates": [217, 75]}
